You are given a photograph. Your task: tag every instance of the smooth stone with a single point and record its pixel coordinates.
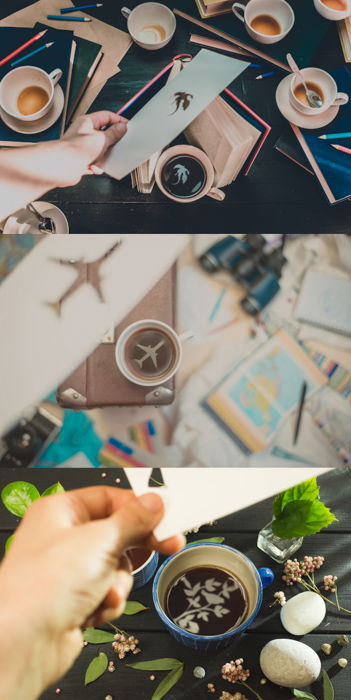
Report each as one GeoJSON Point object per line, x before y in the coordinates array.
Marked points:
{"type": "Point", "coordinates": [303, 613]}
{"type": "Point", "coordinates": [289, 663]}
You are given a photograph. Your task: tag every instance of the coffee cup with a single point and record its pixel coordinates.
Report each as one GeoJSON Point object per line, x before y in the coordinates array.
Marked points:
{"type": "Point", "coordinates": [27, 92]}
{"type": "Point", "coordinates": [266, 21]}
{"type": "Point", "coordinates": [320, 81]}
{"type": "Point", "coordinates": [213, 556]}
{"type": "Point", "coordinates": [185, 173]}
{"type": "Point", "coordinates": [149, 352]}
{"type": "Point", "coordinates": [333, 9]}
{"type": "Point", "coordinates": [151, 25]}
{"type": "Point", "coordinates": [143, 564]}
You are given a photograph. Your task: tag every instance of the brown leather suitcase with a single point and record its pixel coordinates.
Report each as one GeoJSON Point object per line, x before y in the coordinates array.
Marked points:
{"type": "Point", "coordinates": [98, 382]}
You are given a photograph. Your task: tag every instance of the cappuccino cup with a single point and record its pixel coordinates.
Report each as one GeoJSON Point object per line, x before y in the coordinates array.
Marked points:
{"type": "Point", "coordinates": [266, 21]}
{"type": "Point", "coordinates": [333, 9]}
{"type": "Point", "coordinates": [27, 92]}
{"type": "Point", "coordinates": [185, 173]}
{"type": "Point", "coordinates": [151, 25]}
{"type": "Point", "coordinates": [149, 352]}
{"type": "Point", "coordinates": [323, 83]}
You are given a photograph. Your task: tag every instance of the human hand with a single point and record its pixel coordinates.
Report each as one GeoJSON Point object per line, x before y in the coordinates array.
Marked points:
{"type": "Point", "coordinates": [85, 143]}
{"type": "Point", "coordinates": [66, 569]}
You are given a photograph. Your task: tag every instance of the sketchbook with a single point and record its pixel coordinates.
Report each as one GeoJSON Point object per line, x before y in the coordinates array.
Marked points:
{"type": "Point", "coordinates": [325, 301]}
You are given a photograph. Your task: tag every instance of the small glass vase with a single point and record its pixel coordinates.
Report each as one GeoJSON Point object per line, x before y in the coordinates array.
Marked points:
{"type": "Point", "coordinates": [278, 549]}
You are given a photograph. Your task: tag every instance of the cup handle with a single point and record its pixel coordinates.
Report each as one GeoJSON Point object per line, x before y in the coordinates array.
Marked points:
{"type": "Point", "coordinates": [236, 9]}
{"type": "Point", "coordinates": [125, 11]}
{"type": "Point", "coordinates": [187, 335]}
{"type": "Point", "coordinates": [266, 576]}
{"type": "Point", "coordinates": [55, 76]}
{"type": "Point", "coordinates": [341, 99]}
{"type": "Point", "coordinates": [217, 194]}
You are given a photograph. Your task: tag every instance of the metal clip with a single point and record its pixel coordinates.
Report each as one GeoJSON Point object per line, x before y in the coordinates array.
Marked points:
{"type": "Point", "coordinates": [72, 397]}
{"type": "Point", "coordinates": [160, 395]}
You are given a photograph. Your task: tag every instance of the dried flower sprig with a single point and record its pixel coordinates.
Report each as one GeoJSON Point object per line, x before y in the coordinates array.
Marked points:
{"type": "Point", "coordinates": [229, 696]}
{"type": "Point", "coordinates": [234, 672]}
{"type": "Point", "coordinates": [280, 599]}
{"type": "Point", "coordinates": [303, 572]}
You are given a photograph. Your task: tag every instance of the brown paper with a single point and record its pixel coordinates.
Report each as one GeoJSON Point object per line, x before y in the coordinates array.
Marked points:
{"type": "Point", "coordinates": [115, 43]}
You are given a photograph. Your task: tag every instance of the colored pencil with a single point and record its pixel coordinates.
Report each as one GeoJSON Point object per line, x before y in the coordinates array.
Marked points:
{"type": "Point", "coordinates": [156, 439]}
{"type": "Point", "coordinates": [341, 148]}
{"type": "Point", "coordinates": [255, 65]}
{"type": "Point", "coordinates": [343, 135]}
{"type": "Point", "coordinates": [32, 53]}
{"type": "Point", "coordinates": [21, 48]}
{"type": "Point", "coordinates": [111, 460]}
{"type": "Point", "coordinates": [120, 453]}
{"type": "Point", "coordinates": [265, 75]}
{"type": "Point", "coordinates": [217, 305]}
{"type": "Point", "coordinates": [300, 411]}
{"type": "Point", "coordinates": [85, 85]}
{"type": "Point", "coordinates": [69, 19]}
{"type": "Point", "coordinates": [67, 10]}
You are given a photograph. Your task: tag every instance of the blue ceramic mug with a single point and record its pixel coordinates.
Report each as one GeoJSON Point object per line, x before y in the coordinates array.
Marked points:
{"type": "Point", "coordinates": [222, 557]}
{"type": "Point", "coordinates": [144, 564]}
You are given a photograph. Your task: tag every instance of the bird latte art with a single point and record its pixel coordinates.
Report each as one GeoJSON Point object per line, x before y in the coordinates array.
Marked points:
{"type": "Point", "coordinates": [150, 353]}
{"type": "Point", "coordinates": [207, 600]}
{"type": "Point", "coordinates": [183, 176]}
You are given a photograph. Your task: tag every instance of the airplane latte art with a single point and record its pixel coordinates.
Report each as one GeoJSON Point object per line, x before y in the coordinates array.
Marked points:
{"type": "Point", "coordinates": [150, 352]}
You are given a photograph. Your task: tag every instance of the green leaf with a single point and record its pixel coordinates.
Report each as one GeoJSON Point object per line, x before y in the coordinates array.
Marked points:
{"type": "Point", "coordinates": [94, 636]}
{"type": "Point", "coordinates": [306, 491]}
{"type": "Point", "coordinates": [157, 665]}
{"type": "Point", "coordinates": [133, 607]}
{"type": "Point", "coordinates": [55, 488]}
{"type": "Point", "coordinates": [96, 668]}
{"type": "Point", "coordinates": [303, 694]}
{"type": "Point", "coordinates": [328, 689]}
{"type": "Point", "coordinates": [168, 682]}
{"type": "Point", "coordinates": [301, 518]}
{"type": "Point", "coordinates": [218, 540]}
{"type": "Point", "coordinates": [18, 496]}
{"type": "Point", "coordinates": [8, 543]}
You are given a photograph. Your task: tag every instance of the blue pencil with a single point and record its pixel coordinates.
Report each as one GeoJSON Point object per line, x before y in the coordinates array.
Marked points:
{"type": "Point", "coordinates": [69, 19]}
{"type": "Point", "coordinates": [32, 53]}
{"type": "Point", "coordinates": [265, 75]}
{"type": "Point", "coordinates": [344, 135]}
{"type": "Point", "coordinates": [217, 305]}
{"type": "Point", "coordinates": [66, 10]}
{"type": "Point", "coordinates": [255, 65]}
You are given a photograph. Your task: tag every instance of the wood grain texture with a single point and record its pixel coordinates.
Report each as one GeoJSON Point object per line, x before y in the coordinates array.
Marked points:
{"type": "Point", "coordinates": [277, 195]}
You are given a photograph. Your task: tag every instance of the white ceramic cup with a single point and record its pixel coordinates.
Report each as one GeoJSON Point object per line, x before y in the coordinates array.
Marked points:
{"type": "Point", "coordinates": [278, 9]}
{"type": "Point", "coordinates": [143, 23]}
{"type": "Point", "coordinates": [328, 87]}
{"type": "Point", "coordinates": [20, 78]}
{"type": "Point", "coordinates": [200, 156]}
{"type": "Point", "coordinates": [144, 325]}
{"type": "Point", "coordinates": [333, 14]}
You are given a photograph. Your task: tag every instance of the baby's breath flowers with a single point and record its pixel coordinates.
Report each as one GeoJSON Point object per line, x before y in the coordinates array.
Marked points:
{"type": "Point", "coordinates": [124, 644]}
{"type": "Point", "coordinates": [303, 572]}
{"type": "Point", "coordinates": [279, 599]}
{"type": "Point", "coordinates": [234, 672]}
{"type": "Point", "coordinates": [330, 583]}
{"type": "Point", "coordinates": [229, 696]}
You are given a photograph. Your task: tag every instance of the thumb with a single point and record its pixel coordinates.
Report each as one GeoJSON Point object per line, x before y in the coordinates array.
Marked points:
{"type": "Point", "coordinates": [136, 519]}
{"type": "Point", "coordinates": [114, 133]}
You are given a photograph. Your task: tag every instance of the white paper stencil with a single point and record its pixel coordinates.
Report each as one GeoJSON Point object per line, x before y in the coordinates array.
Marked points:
{"type": "Point", "coordinates": [167, 114]}
{"type": "Point", "coordinates": [39, 348]}
{"type": "Point", "coordinates": [193, 497]}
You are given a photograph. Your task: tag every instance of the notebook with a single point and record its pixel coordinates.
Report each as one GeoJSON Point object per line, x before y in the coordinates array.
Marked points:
{"type": "Point", "coordinates": [344, 28]}
{"type": "Point", "coordinates": [325, 301]}
{"type": "Point", "coordinates": [253, 400]}
{"type": "Point", "coordinates": [290, 148]}
{"type": "Point", "coordinates": [212, 8]}
{"type": "Point", "coordinates": [87, 59]}
{"type": "Point", "coordinates": [332, 167]}
{"type": "Point", "coordinates": [302, 41]}
{"type": "Point", "coordinates": [60, 55]}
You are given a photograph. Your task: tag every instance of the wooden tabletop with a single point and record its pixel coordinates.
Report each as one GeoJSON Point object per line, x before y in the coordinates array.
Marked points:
{"type": "Point", "coordinates": [277, 195]}
{"type": "Point", "coordinates": [240, 531]}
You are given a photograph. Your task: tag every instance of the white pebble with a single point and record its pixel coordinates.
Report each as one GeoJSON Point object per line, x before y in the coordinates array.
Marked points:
{"type": "Point", "coordinates": [199, 672]}
{"type": "Point", "coordinates": [303, 613]}
{"type": "Point", "coordinates": [289, 663]}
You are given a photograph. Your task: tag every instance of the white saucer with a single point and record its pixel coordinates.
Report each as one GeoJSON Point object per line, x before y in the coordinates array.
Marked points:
{"type": "Point", "coordinates": [18, 223]}
{"type": "Point", "coordinates": [292, 114]}
{"type": "Point", "coordinates": [38, 125]}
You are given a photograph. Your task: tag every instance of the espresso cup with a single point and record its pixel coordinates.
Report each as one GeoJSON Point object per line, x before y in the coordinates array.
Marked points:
{"type": "Point", "coordinates": [214, 555]}
{"type": "Point", "coordinates": [185, 173]}
{"type": "Point", "coordinates": [326, 86]}
{"type": "Point", "coordinates": [27, 78]}
{"type": "Point", "coordinates": [278, 11]}
{"type": "Point", "coordinates": [336, 12]}
{"type": "Point", "coordinates": [144, 564]}
{"type": "Point", "coordinates": [151, 25]}
{"type": "Point", "coordinates": [133, 368]}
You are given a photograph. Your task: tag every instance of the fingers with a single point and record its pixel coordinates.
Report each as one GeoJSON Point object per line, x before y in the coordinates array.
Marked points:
{"type": "Point", "coordinates": [167, 547]}
{"type": "Point", "coordinates": [136, 519]}
{"type": "Point", "coordinates": [104, 118]}
{"type": "Point", "coordinates": [114, 133]}
{"type": "Point", "coordinates": [115, 600]}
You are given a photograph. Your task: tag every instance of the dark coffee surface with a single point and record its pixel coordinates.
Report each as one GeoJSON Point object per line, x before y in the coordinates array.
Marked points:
{"type": "Point", "coordinates": [207, 601]}
{"type": "Point", "coordinates": [183, 176]}
{"type": "Point", "coordinates": [150, 353]}
{"type": "Point", "coordinates": [137, 556]}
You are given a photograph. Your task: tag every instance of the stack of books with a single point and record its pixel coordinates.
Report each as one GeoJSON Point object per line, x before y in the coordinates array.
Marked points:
{"type": "Point", "coordinates": [212, 8]}
{"type": "Point", "coordinates": [78, 59]}
{"type": "Point", "coordinates": [344, 28]}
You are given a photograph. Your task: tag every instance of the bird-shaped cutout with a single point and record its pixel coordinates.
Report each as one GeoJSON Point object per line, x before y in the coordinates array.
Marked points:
{"type": "Point", "coordinates": [86, 272]}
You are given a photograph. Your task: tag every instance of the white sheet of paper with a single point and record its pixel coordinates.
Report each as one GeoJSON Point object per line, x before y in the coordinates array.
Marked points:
{"type": "Point", "coordinates": [39, 348]}
{"type": "Point", "coordinates": [193, 497]}
{"type": "Point", "coordinates": [159, 121]}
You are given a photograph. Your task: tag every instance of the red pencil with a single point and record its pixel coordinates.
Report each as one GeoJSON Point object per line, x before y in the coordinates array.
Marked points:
{"type": "Point", "coordinates": [341, 148]}
{"type": "Point", "coordinates": [21, 48]}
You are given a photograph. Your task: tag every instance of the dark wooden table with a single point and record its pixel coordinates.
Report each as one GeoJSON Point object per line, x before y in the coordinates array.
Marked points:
{"type": "Point", "coordinates": [276, 196]}
{"type": "Point", "coordinates": [240, 530]}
